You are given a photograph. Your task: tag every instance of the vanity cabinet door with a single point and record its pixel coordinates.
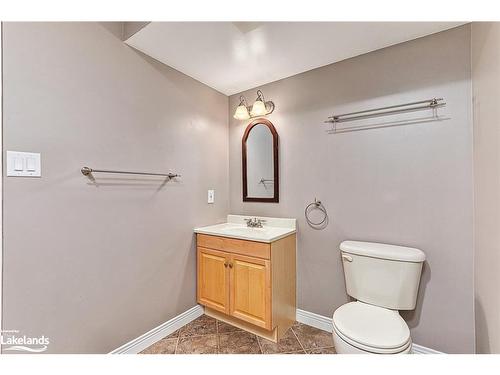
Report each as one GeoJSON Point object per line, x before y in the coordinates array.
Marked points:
{"type": "Point", "coordinates": [213, 279]}
{"type": "Point", "coordinates": [250, 295]}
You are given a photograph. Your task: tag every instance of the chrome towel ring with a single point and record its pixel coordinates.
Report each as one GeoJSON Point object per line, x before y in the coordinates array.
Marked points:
{"type": "Point", "coordinates": [316, 205]}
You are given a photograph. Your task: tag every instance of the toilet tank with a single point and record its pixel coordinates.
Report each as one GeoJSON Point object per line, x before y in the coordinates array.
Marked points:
{"type": "Point", "coordinates": [382, 275]}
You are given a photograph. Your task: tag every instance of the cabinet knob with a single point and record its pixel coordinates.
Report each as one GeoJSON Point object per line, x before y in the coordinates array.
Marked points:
{"type": "Point", "coordinates": [230, 265]}
{"type": "Point", "coordinates": [225, 264]}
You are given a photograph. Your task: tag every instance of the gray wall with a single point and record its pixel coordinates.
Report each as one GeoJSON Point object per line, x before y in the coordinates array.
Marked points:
{"type": "Point", "coordinates": [93, 266]}
{"type": "Point", "coordinates": [409, 185]}
{"type": "Point", "coordinates": [486, 91]}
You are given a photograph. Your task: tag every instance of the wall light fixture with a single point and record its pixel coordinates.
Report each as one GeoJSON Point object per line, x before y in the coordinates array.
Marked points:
{"type": "Point", "coordinates": [260, 107]}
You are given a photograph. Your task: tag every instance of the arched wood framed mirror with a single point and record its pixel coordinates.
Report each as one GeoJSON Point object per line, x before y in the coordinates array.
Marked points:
{"type": "Point", "coordinates": [260, 162]}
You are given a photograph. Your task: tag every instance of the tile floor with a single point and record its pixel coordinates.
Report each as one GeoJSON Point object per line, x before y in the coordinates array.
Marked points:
{"type": "Point", "coordinates": [207, 335]}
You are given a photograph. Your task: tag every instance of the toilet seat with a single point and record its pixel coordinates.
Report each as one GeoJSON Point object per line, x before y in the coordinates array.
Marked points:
{"type": "Point", "coordinates": [371, 328]}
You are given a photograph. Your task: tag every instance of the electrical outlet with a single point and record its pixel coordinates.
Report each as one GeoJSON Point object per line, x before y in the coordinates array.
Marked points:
{"type": "Point", "coordinates": [211, 196]}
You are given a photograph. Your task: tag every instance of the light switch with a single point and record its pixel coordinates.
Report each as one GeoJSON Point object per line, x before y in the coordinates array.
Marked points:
{"type": "Point", "coordinates": [30, 164]}
{"type": "Point", "coordinates": [211, 196]}
{"type": "Point", "coordinates": [18, 163]}
{"type": "Point", "coordinates": [23, 164]}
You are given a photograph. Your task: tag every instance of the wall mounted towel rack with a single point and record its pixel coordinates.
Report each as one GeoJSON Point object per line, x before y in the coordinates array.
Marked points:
{"type": "Point", "coordinates": [316, 205]}
{"type": "Point", "coordinates": [265, 180]}
{"type": "Point", "coordinates": [86, 171]}
{"type": "Point", "coordinates": [385, 111]}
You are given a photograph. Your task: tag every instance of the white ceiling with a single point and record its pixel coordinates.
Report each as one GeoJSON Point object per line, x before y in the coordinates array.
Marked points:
{"type": "Point", "coordinates": [235, 56]}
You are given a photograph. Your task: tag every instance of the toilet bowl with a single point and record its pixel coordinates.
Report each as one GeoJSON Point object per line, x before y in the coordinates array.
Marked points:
{"type": "Point", "coordinates": [360, 328]}
{"type": "Point", "coordinates": [383, 279]}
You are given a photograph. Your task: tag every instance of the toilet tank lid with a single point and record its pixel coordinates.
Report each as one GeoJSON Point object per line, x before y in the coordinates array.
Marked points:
{"type": "Point", "coordinates": [383, 251]}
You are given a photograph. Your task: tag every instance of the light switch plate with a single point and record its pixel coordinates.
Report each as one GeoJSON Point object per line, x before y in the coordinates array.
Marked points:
{"type": "Point", "coordinates": [211, 196]}
{"type": "Point", "coordinates": [23, 164]}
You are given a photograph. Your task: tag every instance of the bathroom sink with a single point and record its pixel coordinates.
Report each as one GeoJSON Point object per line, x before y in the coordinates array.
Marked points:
{"type": "Point", "coordinates": [236, 227]}
{"type": "Point", "coordinates": [245, 231]}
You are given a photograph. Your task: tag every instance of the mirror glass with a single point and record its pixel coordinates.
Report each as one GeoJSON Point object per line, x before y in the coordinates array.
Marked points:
{"type": "Point", "coordinates": [260, 162]}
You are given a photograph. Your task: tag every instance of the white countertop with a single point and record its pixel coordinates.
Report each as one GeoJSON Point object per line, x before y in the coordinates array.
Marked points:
{"type": "Point", "coordinates": [273, 229]}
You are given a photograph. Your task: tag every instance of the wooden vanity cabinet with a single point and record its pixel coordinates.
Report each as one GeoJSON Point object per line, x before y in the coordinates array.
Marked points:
{"type": "Point", "coordinates": [213, 279]}
{"type": "Point", "coordinates": [248, 284]}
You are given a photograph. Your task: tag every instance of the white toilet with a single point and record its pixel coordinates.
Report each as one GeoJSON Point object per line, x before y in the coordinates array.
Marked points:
{"type": "Point", "coordinates": [383, 279]}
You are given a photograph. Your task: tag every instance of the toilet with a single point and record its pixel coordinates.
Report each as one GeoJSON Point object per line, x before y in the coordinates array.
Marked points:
{"type": "Point", "coordinates": [383, 279]}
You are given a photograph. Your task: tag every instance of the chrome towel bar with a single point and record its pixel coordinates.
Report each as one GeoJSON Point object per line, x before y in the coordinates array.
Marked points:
{"type": "Point", "coordinates": [86, 171]}
{"type": "Point", "coordinates": [390, 110]}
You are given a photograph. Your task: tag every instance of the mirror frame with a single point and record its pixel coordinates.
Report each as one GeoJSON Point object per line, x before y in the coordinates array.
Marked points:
{"type": "Point", "coordinates": [246, 198]}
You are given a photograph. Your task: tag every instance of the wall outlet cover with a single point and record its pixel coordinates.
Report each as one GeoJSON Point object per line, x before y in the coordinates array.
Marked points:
{"type": "Point", "coordinates": [211, 196]}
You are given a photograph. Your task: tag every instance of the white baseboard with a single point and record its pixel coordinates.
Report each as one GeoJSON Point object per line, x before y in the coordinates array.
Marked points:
{"type": "Point", "coordinates": [314, 320]}
{"type": "Point", "coordinates": [149, 338]}
{"type": "Point", "coordinates": [324, 323]}
{"type": "Point", "coordinates": [419, 349]}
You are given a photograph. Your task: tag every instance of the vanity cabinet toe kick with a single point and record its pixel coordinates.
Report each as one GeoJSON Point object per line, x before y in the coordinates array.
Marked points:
{"type": "Point", "coordinates": [248, 284]}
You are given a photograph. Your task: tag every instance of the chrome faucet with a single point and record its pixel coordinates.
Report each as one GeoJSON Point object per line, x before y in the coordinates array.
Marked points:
{"type": "Point", "coordinates": [254, 222]}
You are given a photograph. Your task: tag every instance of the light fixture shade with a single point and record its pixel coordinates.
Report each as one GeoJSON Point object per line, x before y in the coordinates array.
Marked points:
{"type": "Point", "coordinates": [258, 108]}
{"type": "Point", "coordinates": [241, 113]}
